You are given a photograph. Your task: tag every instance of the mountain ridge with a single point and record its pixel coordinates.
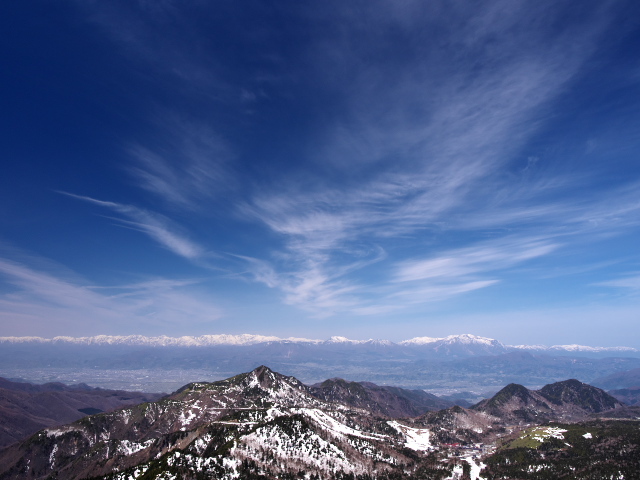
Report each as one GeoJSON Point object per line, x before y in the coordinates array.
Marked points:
{"type": "Point", "coordinates": [252, 416]}
{"type": "Point", "coordinates": [449, 365]}
{"type": "Point", "coordinates": [568, 400]}
{"type": "Point", "coordinates": [380, 400]}
{"type": "Point", "coordinates": [26, 408]}
{"type": "Point", "coordinates": [265, 425]}
{"type": "Point", "coordinates": [492, 345]}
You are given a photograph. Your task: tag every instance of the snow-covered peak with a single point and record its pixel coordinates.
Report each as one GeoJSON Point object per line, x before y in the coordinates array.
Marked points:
{"type": "Point", "coordinates": [348, 341]}
{"type": "Point", "coordinates": [420, 341]}
{"type": "Point", "coordinates": [338, 339]}
{"type": "Point", "coordinates": [463, 339]}
{"type": "Point", "coordinates": [160, 341]}
{"type": "Point", "coordinates": [528, 347]}
{"type": "Point", "coordinates": [382, 343]}
{"type": "Point", "coordinates": [468, 339]}
{"type": "Point", "coordinates": [583, 348]}
{"type": "Point", "coordinates": [575, 348]}
{"type": "Point", "coordinates": [31, 339]}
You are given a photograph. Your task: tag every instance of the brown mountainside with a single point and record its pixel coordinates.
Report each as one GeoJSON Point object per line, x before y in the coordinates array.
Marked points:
{"type": "Point", "coordinates": [382, 400]}
{"type": "Point", "coordinates": [265, 425]}
{"type": "Point", "coordinates": [26, 408]}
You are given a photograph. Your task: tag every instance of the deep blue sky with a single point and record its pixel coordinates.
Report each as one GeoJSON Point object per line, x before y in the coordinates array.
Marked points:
{"type": "Point", "coordinates": [368, 169]}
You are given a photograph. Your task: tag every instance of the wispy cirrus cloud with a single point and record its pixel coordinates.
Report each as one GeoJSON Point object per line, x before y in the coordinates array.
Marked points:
{"type": "Point", "coordinates": [412, 143]}
{"type": "Point", "coordinates": [52, 303]}
{"type": "Point", "coordinates": [318, 287]}
{"type": "Point", "coordinates": [180, 156]}
{"type": "Point", "coordinates": [489, 257]}
{"type": "Point", "coordinates": [154, 33]}
{"type": "Point", "coordinates": [158, 227]}
{"type": "Point", "coordinates": [424, 146]}
{"type": "Point", "coordinates": [457, 271]}
{"type": "Point", "coordinates": [187, 167]}
{"type": "Point", "coordinates": [430, 292]}
{"type": "Point", "coordinates": [451, 272]}
{"type": "Point", "coordinates": [630, 283]}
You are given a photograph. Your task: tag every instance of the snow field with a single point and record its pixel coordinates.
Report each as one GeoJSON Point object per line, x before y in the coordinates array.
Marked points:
{"type": "Point", "coordinates": [416, 438]}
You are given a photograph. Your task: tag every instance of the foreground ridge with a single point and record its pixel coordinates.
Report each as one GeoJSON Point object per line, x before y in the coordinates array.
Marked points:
{"type": "Point", "coordinates": [259, 424]}
{"type": "Point", "coordinates": [265, 425]}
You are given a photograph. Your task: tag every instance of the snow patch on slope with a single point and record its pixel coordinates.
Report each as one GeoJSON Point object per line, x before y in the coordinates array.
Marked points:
{"type": "Point", "coordinates": [128, 447]}
{"type": "Point", "coordinates": [416, 438]}
{"type": "Point", "coordinates": [305, 447]}
{"type": "Point", "coordinates": [337, 428]}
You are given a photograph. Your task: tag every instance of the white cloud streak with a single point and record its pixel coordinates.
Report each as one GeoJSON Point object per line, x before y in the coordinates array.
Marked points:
{"type": "Point", "coordinates": [420, 144]}
{"type": "Point", "coordinates": [629, 283]}
{"type": "Point", "coordinates": [193, 166]}
{"type": "Point", "coordinates": [151, 33]}
{"type": "Point", "coordinates": [186, 161]}
{"type": "Point", "coordinates": [458, 271]}
{"type": "Point", "coordinates": [156, 226]}
{"type": "Point", "coordinates": [462, 262]}
{"type": "Point", "coordinates": [435, 292]}
{"type": "Point", "coordinates": [438, 168]}
{"type": "Point", "coordinates": [47, 302]}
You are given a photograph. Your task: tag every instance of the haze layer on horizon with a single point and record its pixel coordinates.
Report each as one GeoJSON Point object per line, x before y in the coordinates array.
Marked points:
{"type": "Point", "coordinates": [367, 169]}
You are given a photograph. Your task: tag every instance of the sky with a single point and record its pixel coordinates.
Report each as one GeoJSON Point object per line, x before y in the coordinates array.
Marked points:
{"type": "Point", "coordinates": [372, 169]}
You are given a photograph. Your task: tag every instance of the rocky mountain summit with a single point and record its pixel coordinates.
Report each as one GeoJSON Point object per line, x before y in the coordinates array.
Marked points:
{"type": "Point", "coordinates": [258, 423]}
{"type": "Point", "coordinates": [379, 400]}
{"type": "Point", "coordinates": [264, 425]}
{"type": "Point", "coordinates": [515, 405]}
{"type": "Point", "coordinates": [569, 400]}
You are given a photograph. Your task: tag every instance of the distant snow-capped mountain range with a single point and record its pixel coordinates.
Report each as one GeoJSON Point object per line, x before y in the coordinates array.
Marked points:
{"type": "Point", "coordinates": [489, 345]}
{"type": "Point", "coordinates": [436, 364]}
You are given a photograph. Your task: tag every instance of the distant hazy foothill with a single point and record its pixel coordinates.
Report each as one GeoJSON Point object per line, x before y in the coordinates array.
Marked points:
{"type": "Point", "coordinates": [26, 408]}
